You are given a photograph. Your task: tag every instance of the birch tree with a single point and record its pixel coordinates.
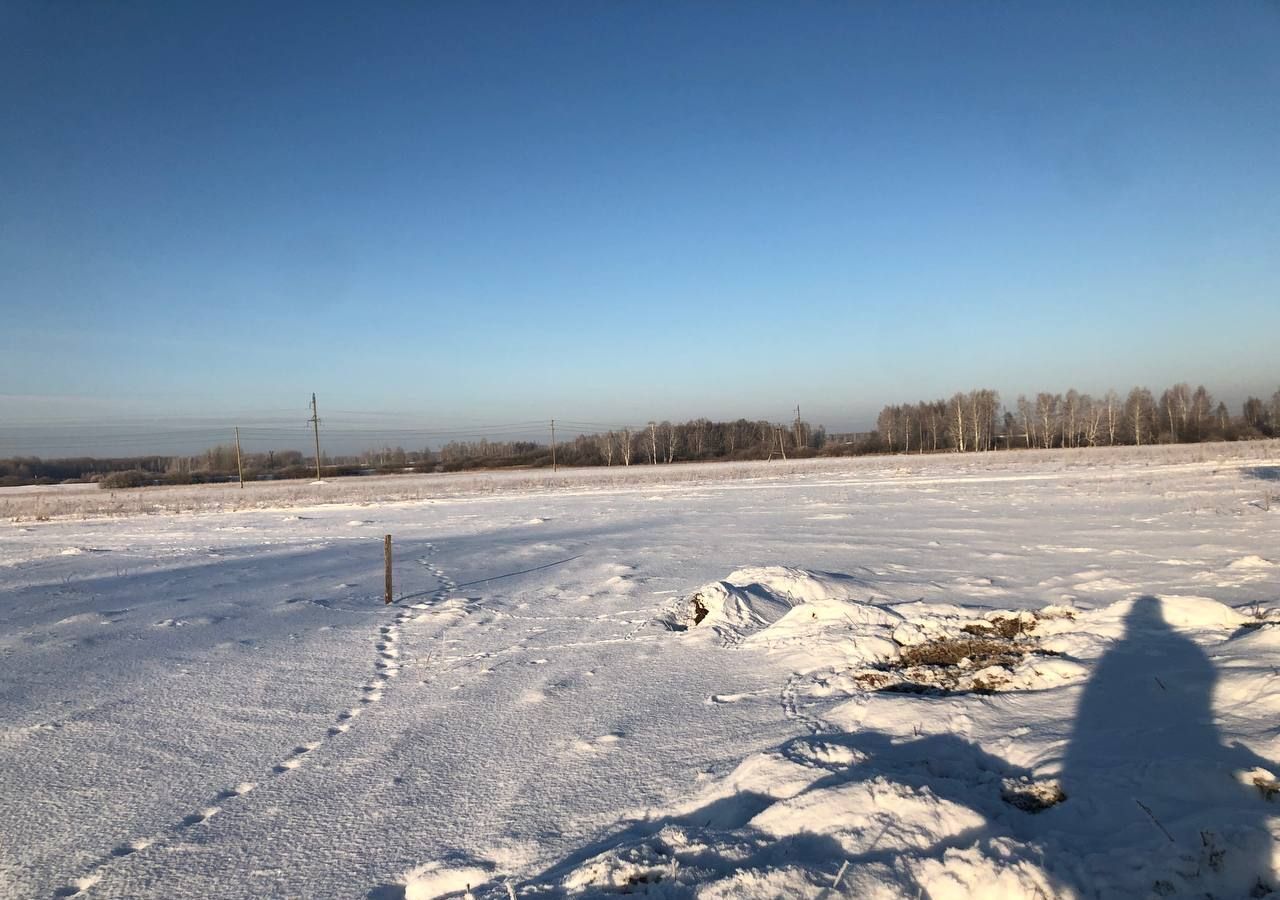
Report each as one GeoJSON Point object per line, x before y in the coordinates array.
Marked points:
{"type": "Point", "coordinates": [1139, 412]}
{"type": "Point", "coordinates": [1112, 401]}
{"type": "Point", "coordinates": [625, 446]}
{"type": "Point", "coordinates": [956, 414]}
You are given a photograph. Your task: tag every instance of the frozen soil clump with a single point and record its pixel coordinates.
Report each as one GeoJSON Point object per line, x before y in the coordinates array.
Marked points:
{"type": "Point", "coordinates": [982, 656]}
{"type": "Point", "coordinates": [1031, 796]}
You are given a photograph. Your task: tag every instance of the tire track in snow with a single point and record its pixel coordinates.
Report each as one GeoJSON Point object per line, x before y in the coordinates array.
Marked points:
{"type": "Point", "coordinates": [386, 667]}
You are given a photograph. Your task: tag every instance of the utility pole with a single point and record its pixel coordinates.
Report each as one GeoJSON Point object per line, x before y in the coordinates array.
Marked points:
{"type": "Point", "coordinates": [315, 423]}
{"type": "Point", "coordinates": [239, 465]}
{"type": "Point", "coordinates": [553, 445]}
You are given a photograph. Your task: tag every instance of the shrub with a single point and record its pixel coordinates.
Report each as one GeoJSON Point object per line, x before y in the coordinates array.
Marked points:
{"type": "Point", "coordinates": [131, 478]}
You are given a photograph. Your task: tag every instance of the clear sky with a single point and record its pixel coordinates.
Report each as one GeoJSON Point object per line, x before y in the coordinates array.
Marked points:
{"type": "Point", "coordinates": [630, 210]}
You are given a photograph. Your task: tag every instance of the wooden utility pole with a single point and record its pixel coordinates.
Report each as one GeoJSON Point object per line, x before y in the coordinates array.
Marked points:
{"type": "Point", "coordinates": [386, 556]}
{"type": "Point", "coordinates": [553, 445]}
{"type": "Point", "coordinates": [781, 445]}
{"type": "Point", "coordinates": [315, 423]}
{"type": "Point", "coordinates": [239, 465]}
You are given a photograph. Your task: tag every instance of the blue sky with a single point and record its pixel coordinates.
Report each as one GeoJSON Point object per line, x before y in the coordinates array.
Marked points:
{"type": "Point", "coordinates": [620, 211]}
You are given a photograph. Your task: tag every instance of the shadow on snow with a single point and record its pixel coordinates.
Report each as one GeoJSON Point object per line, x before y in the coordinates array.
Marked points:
{"type": "Point", "coordinates": [1153, 802]}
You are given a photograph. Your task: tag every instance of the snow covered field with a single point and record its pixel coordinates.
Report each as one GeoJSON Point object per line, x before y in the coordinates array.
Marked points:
{"type": "Point", "coordinates": [1019, 674]}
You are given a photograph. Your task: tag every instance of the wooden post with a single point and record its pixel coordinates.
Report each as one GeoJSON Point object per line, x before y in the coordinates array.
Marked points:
{"type": "Point", "coordinates": [553, 445]}
{"type": "Point", "coordinates": [386, 553]}
{"type": "Point", "coordinates": [239, 465]}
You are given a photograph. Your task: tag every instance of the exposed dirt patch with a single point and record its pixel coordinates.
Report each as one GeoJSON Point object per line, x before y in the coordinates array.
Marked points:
{"type": "Point", "coordinates": [981, 659]}
{"type": "Point", "coordinates": [979, 653]}
{"type": "Point", "coordinates": [1032, 796]}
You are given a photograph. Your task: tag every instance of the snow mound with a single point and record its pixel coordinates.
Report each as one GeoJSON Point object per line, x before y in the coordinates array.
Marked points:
{"type": "Point", "coordinates": [1251, 562]}
{"type": "Point", "coordinates": [797, 585]}
{"type": "Point", "coordinates": [437, 879]}
{"type": "Point", "coordinates": [844, 613]}
{"type": "Point", "coordinates": [1199, 612]}
{"type": "Point", "coordinates": [760, 595]}
{"type": "Point", "coordinates": [814, 618]}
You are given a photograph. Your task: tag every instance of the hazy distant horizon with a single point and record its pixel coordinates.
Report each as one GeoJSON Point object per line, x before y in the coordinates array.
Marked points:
{"type": "Point", "coordinates": [348, 431]}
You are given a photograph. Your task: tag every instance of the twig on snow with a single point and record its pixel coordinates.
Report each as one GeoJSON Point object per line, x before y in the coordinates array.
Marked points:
{"type": "Point", "coordinates": [1146, 809]}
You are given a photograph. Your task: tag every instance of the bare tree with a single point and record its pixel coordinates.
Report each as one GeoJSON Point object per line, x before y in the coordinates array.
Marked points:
{"type": "Point", "coordinates": [1174, 405]}
{"type": "Point", "coordinates": [1047, 414]}
{"type": "Point", "coordinates": [955, 413]}
{"type": "Point", "coordinates": [699, 437]}
{"type": "Point", "coordinates": [1112, 401]}
{"type": "Point", "coordinates": [1139, 412]}
{"type": "Point", "coordinates": [1070, 412]}
{"type": "Point", "coordinates": [975, 419]}
{"type": "Point", "coordinates": [937, 414]}
{"type": "Point", "coordinates": [1093, 421]}
{"type": "Point", "coordinates": [985, 406]}
{"type": "Point", "coordinates": [1201, 412]}
{"type": "Point", "coordinates": [670, 441]}
{"type": "Point", "coordinates": [1255, 414]}
{"type": "Point", "coordinates": [886, 425]}
{"type": "Point", "coordinates": [1025, 412]}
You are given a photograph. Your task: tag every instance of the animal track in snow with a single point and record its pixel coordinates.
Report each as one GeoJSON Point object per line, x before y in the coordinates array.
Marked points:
{"type": "Point", "coordinates": [602, 744]}
{"type": "Point", "coordinates": [386, 666]}
{"type": "Point", "coordinates": [447, 584]}
{"type": "Point", "coordinates": [131, 847]}
{"type": "Point", "coordinates": [203, 815]}
{"type": "Point", "coordinates": [238, 791]}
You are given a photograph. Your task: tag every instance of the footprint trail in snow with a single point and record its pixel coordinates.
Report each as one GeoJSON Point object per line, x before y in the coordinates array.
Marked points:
{"type": "Point", "coordinates": [386, 667]}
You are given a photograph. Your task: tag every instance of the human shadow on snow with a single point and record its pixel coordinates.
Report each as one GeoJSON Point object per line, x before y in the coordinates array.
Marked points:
{"type": "Point", "coordinates": [1153, 798]}
{"type": "Point", "coordinates": [1148, 767]}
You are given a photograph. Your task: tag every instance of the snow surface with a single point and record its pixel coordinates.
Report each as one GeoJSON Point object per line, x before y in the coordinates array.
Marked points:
{"type": "Point", "coordinates": [695, 681]}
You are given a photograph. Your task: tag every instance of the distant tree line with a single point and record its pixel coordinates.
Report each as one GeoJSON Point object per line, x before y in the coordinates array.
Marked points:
{"type": "Point", "coordinates": [212, 465]}
{"type": "Point", "coordinates": [657, 442]}
{"type": "Point", "coordinates": [976, 421]}
{"type": "Point", "coordinates": [973, 421]}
